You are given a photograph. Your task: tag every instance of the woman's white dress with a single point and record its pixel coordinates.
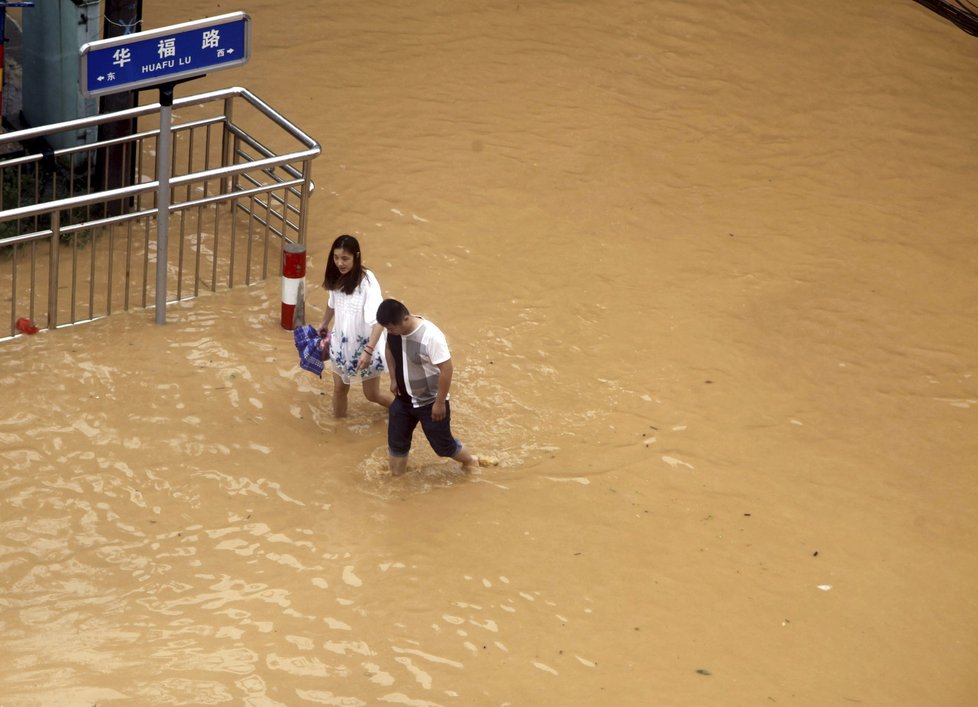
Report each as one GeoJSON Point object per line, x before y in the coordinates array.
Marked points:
{"type": "Point", "coordinates": [354, 316]}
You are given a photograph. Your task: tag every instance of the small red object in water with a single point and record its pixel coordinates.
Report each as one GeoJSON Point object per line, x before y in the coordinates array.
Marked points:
{"type": "Point", "coordinates": [24, 325]}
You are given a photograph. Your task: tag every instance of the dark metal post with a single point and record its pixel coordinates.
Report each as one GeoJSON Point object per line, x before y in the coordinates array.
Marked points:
{"type": "Point", "coordinates": [117, 163]}
{"type": "Point", "coordinates": [164, 150]}
{"type": "Point", "coordinates": [3, 38]}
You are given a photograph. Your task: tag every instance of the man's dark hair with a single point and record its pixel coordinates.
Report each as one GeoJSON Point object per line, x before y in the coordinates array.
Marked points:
{"type": "Point", "coordinates": [391, 312]}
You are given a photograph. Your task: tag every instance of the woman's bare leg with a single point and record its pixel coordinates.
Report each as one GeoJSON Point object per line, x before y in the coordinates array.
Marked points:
{"type": "Point", "coordinates": [341, 396]}
{"type": "Point", "coordinates": [373, 392]}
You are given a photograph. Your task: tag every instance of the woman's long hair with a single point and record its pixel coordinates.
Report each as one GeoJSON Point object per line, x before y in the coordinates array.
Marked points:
{"type": "Point", "coordinates": [334, 279]}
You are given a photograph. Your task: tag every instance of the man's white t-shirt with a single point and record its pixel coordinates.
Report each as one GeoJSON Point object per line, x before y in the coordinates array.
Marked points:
{"type": "Point", "coordinates": [421, 351]}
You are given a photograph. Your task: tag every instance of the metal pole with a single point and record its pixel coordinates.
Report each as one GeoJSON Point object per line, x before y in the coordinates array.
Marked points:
{"type": "Point", "coordinates": [305, 193]}
{"type": "Point", "coordinates": [53, 269]}
{"type": "Point", "coordinates": [227, 156]}
{"type": "Point", "coordinates": [164, 151]}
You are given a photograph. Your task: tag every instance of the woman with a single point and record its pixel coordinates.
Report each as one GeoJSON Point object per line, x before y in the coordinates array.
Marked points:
{"type": "Point", "coordinates": [356, 341]}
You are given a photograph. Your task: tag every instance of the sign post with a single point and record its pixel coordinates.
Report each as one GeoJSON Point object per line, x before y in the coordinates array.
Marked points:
{"type": "Point", "coordinates": [164, 153]}
{"type": "Point", "coordinates": [161, 58]}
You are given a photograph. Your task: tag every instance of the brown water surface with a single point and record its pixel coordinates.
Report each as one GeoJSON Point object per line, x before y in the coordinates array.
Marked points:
{"type": "Point", "coordinates": [709, 276]}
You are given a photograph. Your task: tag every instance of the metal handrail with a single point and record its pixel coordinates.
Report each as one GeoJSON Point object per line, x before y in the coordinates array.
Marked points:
{"type": "Point", "coordinates": [27, 134]}
{"type": "Point", "coordinates": [272, 190]}
{"type": "Point", "coordinates": [206, 201]}
{"type": "Point", "coordinates": [122, 192]}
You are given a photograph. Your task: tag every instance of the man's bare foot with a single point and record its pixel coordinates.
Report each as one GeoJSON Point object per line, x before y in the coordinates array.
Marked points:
{"type": "Point", "coordinates": [480, 461]}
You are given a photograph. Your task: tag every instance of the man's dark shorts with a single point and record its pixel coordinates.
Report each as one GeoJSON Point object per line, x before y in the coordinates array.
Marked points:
{"type": "Point", "coordinates": [404, 417]}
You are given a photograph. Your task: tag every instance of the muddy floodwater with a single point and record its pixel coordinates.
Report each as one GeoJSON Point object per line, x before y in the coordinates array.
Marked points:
{"type": "Point", "coordinates": [709, 273]}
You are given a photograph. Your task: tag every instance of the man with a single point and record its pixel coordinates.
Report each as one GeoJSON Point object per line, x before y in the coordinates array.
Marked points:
{"type": "Point", "coordinates": [420, 365]}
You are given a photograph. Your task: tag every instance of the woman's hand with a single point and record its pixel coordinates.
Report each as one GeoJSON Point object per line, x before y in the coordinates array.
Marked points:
{"type": "Point", "coordinates": [364, 361]}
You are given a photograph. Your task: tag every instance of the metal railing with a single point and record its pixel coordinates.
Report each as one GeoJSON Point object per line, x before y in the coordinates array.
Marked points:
{"type": "Point", "coordinates": [72, 250]}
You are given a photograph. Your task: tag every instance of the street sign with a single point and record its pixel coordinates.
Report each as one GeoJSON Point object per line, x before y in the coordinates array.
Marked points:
{"type": "Point", "coordinates": [165, 55]}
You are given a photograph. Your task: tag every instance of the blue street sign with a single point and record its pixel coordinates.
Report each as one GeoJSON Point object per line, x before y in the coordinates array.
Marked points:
{"type": "Point", "coordinates": [166, 54]}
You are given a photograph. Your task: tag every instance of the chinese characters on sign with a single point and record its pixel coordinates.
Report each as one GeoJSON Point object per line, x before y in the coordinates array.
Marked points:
{"type": "Point", "coordinates": [167, 54]}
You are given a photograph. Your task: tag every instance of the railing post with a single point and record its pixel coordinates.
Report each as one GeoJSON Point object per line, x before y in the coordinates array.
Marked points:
{"type": "Point", "coordinates": [304, 200]}
{"type": "Point", "coordinates": [53, 269]}
{"type": "Point", "coordinates": [226, 141]}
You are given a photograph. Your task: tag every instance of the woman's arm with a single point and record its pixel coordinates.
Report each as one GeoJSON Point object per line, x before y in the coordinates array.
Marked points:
{"type": "Point", "coordinates": [389, 355]}
{"type": "Point", "coordinates": [327, 318]}
{"type": "Point", "coordinates": [370, 304]}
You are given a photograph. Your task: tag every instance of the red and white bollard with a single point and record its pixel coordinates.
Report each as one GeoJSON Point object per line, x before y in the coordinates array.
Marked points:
{"type": "Point", "coordinates": [293, 282]}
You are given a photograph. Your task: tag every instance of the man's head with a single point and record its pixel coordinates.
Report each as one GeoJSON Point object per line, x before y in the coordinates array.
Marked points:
{"type": "Point", "coordinates": [394, 317]}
